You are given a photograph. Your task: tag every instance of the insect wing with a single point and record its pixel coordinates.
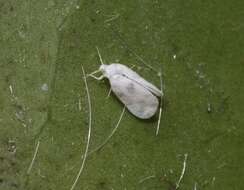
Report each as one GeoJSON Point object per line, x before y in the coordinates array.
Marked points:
{"type": "Point", "coordinates": [139, 101]}
{"type": "Point", "coordinates": [137, 78]}
{"type": "Point", "coordinates": [147, 85]}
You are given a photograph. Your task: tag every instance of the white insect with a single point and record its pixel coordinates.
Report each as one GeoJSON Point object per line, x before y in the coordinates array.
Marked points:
{"type": "Point", "coordinates": [138, 95]}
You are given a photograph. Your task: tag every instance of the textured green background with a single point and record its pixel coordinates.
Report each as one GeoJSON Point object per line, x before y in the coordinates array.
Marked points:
{"type": "Point", "coordinates": [198, 44]}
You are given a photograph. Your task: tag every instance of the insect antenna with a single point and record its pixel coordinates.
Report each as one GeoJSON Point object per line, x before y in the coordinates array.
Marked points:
{"type": "Point", "coordinates": [100, 57]}
{"type": "Point", "coordinates": [99, 70]}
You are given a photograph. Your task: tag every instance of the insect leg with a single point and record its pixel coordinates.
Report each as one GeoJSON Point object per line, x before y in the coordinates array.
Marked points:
{"type": "Point", "coordinates": [161, 103]}
{"type": "Point", "coordinates": [97, 78]}
{"type": "Point", "coordinates": [94, 72]}
{"type": "Point", "coordinates": [110, 90]}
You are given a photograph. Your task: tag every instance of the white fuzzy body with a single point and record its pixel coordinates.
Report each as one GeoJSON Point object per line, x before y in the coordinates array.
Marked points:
{"type": "Point", "coordinates": [138, 95]}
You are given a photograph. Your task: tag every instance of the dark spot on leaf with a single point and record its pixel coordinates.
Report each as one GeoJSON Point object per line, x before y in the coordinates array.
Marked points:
{"type": "Point", "coordinates": [102, 184]}
{"type": "Point", "coordinates": [93, 19]}
{"type": "Point", "coordinates": [15, 185]}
